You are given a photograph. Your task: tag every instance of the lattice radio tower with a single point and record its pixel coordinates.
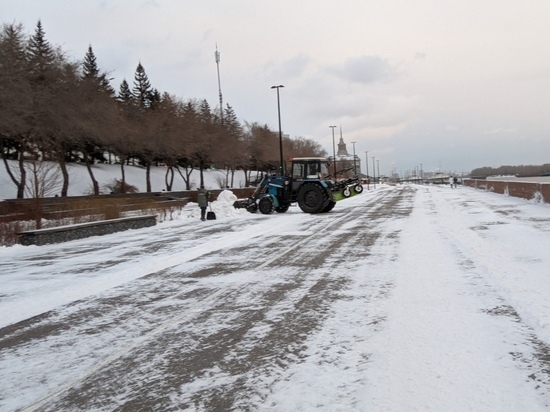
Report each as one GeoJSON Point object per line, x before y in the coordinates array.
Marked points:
{"type": "Point", "coordinates": [217, 55]}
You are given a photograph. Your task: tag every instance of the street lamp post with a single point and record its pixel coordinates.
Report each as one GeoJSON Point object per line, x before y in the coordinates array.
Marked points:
{"type": "Point", "coordinates": [378, 163]}
{"type": "Point", "coordinates": [333, 152]}
{"type": "Point", "coordinates": [282, 166]}
{"type": "Point", "coordinates": [367, 164]}
{"type": "Point", "coordinates": [373, 173]}
{"type": "Point", "coordinates": [354, 162]}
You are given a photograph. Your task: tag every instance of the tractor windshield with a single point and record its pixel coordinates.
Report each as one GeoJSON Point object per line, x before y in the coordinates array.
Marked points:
{"type": "Point", "coordinates": [324, 169]}
{"type": "Point", "coordinates": [317, 170]}
{"type": "Point", "coordinates": [313, 170]}
{"type": "Point", "coordinates": [310, 168]}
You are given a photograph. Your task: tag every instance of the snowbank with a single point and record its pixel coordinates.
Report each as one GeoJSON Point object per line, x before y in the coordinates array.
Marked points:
{"type": "Point", "coordinates": [222, 206]}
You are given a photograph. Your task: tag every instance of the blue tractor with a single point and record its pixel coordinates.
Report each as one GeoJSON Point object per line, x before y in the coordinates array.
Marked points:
{"type": "Point", "coordinates": [309, 184]}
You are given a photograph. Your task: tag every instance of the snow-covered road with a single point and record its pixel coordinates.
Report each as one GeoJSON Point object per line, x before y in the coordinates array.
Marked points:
{"type": "Point", "coordinates": [405, 298]}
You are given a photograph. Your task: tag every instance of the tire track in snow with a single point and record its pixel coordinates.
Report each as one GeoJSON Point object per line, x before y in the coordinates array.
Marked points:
{"type": "Point", "coordinates": [285, 337]}
{"type": "Point", "coordinates": [321, 226]}
{"type": "Point", "coordinates": [121, 353]}
{"type": "Point", "coordinates": [139, 344]}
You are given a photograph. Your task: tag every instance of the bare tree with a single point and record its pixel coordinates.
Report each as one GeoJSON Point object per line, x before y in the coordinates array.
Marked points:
{"type": "Point", "coordinates": [45, 179]}
{"type": "Point", "coordinates": [302, 147]}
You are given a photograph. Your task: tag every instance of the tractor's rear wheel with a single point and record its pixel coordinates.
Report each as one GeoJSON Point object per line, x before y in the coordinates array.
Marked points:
{"type": "Point", "coordinates": [266, 205]}
{"type": "Point", "coordinates": [312, 198]}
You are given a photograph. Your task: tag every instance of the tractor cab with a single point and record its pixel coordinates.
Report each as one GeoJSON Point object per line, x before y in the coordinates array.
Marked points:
{"type": "Point", "coordinates": [309, 168]}
{"type": "Point", "coordinates": [306, 169]}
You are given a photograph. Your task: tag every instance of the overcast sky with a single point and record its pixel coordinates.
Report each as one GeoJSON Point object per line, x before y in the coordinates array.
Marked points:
{"type": "Point", "coordinates": [454, 84]}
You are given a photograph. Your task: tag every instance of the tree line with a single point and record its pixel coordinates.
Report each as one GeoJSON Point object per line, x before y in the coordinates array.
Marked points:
{"type": "Point", "coordinates": [523, 170]}
{"type": "Point", "coordinates": [56, 109]}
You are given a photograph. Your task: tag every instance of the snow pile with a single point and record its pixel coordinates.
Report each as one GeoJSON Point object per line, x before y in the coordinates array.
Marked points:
{"type": "Point", "coordinates": [222, 206]}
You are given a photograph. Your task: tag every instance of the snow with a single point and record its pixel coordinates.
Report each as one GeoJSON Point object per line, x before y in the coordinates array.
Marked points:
{"type": "Point", "coordinates": [81, 184]}
{"type": "Point", "coordinates": [446, 309]}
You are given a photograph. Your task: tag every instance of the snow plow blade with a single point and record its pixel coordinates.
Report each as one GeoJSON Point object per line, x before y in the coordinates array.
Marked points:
{"type": "Point", "coordinates": [347, 192]}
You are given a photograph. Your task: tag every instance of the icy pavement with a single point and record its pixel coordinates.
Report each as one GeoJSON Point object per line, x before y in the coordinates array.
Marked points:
{"type": "Point", "coordinates": [403, 298]}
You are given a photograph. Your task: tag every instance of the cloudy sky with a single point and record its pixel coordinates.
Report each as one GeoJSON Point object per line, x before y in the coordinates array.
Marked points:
{"type": "Point", "coordinates": [454, 84]}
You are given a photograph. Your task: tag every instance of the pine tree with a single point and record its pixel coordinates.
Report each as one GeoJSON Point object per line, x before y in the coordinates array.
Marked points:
{"type": "Point", "coordinates": [12, 50]}
{"type": "Point", "coordinates": [40, 54]}
{"type": "Point", "coordinates": [53, 81]}
{"type": "Point", "coordinates": [205, 114]}
{"type": "Point", "coordinates": [96, 97]}
{"type": "Point", "coordinates": [91, 73]}
{"type": "Point", "coordinates": [231, 122]}
{"type": "Point", "coordinates": [146, 99]}
{"type": "Point", "coordinates": [124, 93]}
{"type": "Point", "coordinates": [155, 99]}
{"type": "Point", "coordinates": [142, 88]}
{"type": "Point", "coordinates": [90, 65]}
{"type": "Point", "coordinates": [13, 79]}
{"type": "Point", "coordinates": [15, 103]}
{"type": "Point", "coordinates": [189, 112]}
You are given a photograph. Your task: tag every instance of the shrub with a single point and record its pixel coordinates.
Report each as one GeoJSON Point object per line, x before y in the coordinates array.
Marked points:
{"type": "Point", "coordinates": [118, 186]}
{"type": "Point", "coordinates": [8, 232]}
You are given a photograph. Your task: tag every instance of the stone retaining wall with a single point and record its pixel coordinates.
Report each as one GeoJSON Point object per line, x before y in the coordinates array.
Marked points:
{"type": "Point", "coordinates": [525, 190]}
{"type": "Point", "coordinates": [83, 230]}
{"type": "Point", "coordinates": [74, 206]}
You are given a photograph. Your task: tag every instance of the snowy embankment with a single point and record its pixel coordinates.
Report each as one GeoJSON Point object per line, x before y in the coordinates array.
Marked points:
{"type": "Point", "coordinates": [81, 184]}
{"type": "Point", "coordinates": [418, 298]}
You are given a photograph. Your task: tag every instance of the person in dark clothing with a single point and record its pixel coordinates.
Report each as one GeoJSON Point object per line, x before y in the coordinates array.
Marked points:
{"type": "Point", "coordinates": [202, 199]}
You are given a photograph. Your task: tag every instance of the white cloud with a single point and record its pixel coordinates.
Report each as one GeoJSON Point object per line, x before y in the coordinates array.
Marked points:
{"type": "Point", "coordinates": [364, 69]}
{"type": "Point", "coordinates": [502, 130]}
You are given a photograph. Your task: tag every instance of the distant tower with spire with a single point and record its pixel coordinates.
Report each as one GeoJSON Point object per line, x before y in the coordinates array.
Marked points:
{"type": "Point", "coordinates": [342, 151]}
{"type": "Point", "coordinates": [344, 158]}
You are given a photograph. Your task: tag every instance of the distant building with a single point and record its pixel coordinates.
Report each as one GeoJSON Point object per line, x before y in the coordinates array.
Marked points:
{"type": "Point", "coordinates": [344, 160]}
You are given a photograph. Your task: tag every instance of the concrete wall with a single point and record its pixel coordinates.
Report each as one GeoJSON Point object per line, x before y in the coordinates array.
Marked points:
{"type": "Point", "coordinates": [83, 230]}
{"type": "Point", "coordinates": [525, 190]}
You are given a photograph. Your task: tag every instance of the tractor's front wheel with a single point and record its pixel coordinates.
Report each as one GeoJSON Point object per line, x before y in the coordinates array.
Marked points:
{"type": "Point", "coordinates": [312, 198]}
{"type": "Point", "coordinates": [266, 205]}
